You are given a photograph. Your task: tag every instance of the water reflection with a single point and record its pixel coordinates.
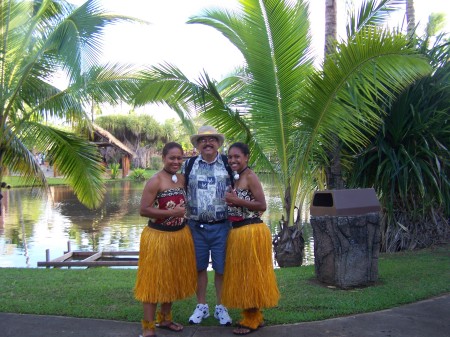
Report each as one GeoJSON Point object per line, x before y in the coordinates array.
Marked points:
{"type": "Point", "coordinates": [30, 223]}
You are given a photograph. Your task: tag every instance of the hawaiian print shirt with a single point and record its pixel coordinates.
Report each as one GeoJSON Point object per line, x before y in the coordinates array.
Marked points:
{"type": "Point", "coordinates": [206, 190]}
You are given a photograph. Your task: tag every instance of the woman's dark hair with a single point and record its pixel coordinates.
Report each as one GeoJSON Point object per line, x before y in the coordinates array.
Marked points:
{"type": "Point", "coordinates": [241, 146]}
{"type": "Point", "coordinates": [169, 146]}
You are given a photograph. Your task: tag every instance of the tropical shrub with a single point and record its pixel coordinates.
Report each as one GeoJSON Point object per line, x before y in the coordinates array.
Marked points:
{"type": "Point", "coordinates": [408, 161]}
{"type": "Point", "coordinates": [114, 170]}
{"type": "Point", "coordinates": [138, 174]}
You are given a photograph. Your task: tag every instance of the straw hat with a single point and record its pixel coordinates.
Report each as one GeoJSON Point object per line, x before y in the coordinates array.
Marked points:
{"type": "Point", "coordinates": [207, 131]}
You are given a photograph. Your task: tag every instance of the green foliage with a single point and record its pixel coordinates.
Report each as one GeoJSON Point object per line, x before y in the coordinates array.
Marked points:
{"type": "Point", "coordinates": [114, 170]}
{"type": "Point", "coordinates": [156, 163]}
{"type": "Point", "coordinates": [403, 278]}
{"type": "Point", "coordinates": [138, 174]}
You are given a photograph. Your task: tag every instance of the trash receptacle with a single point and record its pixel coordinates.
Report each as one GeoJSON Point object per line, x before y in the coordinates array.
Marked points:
{"type": "Point", "coordinates": [346, 233]}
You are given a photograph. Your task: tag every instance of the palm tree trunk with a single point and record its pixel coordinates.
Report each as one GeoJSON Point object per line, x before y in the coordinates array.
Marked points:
{"type": "Point", "coordinates": [410, 16]}
{"type": "Point", "coordinates": [334, 169]}
{"type": "Point", "coordinates": [330, 25]}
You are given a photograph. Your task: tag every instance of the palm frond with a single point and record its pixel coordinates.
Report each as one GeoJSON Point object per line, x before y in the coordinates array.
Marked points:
{"type": "Point", "coordinates": [273, 37]}
{"type": "Point", "coordinates": [19, 159]}
{"type": "Point", "coordinates": [75, 158]}
{"type": "Point", "coordinates": [40, 39]}
{"type": "Point", "coordinates": [378, 66]}
{"type": "Point", "coordinates": [371, 13]}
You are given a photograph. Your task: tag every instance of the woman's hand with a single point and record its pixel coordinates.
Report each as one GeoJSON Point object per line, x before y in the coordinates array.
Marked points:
{"type": "Point", "coordinates": [231, 198]}
{"type": "Point", "coordinates": [179, 210]}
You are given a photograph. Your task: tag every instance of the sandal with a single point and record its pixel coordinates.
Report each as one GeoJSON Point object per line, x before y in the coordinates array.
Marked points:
{"type": "Point", "coordinates": [169, 324]}
{"type": "Point", "coordinates": [244, 330]}
{"type": "Point", "coordinates": [172, 326]}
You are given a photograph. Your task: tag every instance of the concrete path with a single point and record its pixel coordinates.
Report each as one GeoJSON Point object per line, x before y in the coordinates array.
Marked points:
{"type": "Point", "coordinates": [429, 318]}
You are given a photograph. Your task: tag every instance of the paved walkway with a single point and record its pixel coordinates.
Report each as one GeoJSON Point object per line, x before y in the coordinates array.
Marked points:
{"type": "Point", "coordinates": [429, 318]}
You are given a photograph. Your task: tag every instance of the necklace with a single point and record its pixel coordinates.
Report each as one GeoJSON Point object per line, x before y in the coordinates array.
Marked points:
{"type": "Point", "coordinates": [236, 175]}
{"type": "Point", "coordinates": [174, 175]}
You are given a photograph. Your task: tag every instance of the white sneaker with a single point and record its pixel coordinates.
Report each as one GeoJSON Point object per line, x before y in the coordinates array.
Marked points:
{"type": "Point", "coordinates": [201, 311]}
{"type": "Point", "coordinates": [221, 313]}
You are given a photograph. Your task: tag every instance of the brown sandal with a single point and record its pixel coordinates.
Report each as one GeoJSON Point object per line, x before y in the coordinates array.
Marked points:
{"type": "Point", "coordinates": [172, 326]}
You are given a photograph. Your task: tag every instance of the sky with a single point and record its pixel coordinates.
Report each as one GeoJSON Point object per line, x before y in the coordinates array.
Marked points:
{"type": "Point", "coordinates": [194, 48]}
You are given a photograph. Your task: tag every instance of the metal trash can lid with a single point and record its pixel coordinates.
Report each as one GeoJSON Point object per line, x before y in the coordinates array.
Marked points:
{"type": "Point", "coordinates": [344, 202]}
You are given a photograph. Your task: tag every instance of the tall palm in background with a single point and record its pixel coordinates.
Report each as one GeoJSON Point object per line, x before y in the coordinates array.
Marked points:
{"type": "Point", "coordinates": [333, 171]}
{"type": "Point", "coordinates": [410, 17]}
{"type": "Point", "coordinates": [280, 104]}
{"type": "Point", "coordinates": [330, 25]}
{"type": "Point", "coordinates": [39, 41]}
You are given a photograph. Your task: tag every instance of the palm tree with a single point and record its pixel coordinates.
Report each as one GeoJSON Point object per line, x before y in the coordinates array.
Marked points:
{"type": "Point", "coordinates": [279, 103]}
{"type": "Point", "coordinates": [40, 40]}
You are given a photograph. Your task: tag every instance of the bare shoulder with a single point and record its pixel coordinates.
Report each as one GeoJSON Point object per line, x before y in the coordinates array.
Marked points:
{"type": "Point", "coordinates": [154, 182]}
{"type": "Point", "coordinates": [253, 178]}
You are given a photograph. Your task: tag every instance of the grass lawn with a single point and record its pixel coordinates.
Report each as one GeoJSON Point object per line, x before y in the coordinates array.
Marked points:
{"type": "Point", "coordinates": [15, 181]}
{"type": "Point", "coordinates": [107, 293]}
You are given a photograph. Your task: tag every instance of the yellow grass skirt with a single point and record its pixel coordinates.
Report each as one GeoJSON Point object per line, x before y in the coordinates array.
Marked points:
{"type": "Point", "coordinates": [167, 269]}
{"type": "Point", "coordinates": [249, 278]}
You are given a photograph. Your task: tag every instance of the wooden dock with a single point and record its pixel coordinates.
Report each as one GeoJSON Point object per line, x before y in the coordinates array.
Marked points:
{"type": "Point", "coordinates": [92, 259]}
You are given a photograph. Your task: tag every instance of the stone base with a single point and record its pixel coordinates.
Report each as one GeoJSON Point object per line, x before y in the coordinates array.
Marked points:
{"type": "Point", "coordinates": [346, 249]}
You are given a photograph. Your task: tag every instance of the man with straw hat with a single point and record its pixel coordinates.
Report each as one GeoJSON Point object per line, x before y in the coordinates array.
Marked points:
{"type": "Point", "coordinates": [207, 179]}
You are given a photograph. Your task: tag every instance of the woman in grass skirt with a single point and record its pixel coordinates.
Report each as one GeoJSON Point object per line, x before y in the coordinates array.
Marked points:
{"type": "Point", "coordinates": [249, 278]}
{"type": "Point", "coordinates": [167, 270]}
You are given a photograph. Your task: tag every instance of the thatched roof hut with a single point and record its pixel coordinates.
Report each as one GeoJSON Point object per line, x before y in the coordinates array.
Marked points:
{"type": "Point", "coordinates": [103, 138]}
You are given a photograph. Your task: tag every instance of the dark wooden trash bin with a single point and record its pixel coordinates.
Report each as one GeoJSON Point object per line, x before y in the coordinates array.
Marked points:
{"type": "Point", "coordinates": [345, 202]}
{"type": "Point", "coordinates": [347, 237]}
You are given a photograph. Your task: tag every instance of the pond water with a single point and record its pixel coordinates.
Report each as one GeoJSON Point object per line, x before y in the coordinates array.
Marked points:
{"type": "Point", "coordinates": [31, 223]}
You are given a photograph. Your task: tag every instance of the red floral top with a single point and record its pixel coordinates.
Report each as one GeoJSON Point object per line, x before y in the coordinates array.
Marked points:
{"type": "Point", "coordinates": [168, 199]}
